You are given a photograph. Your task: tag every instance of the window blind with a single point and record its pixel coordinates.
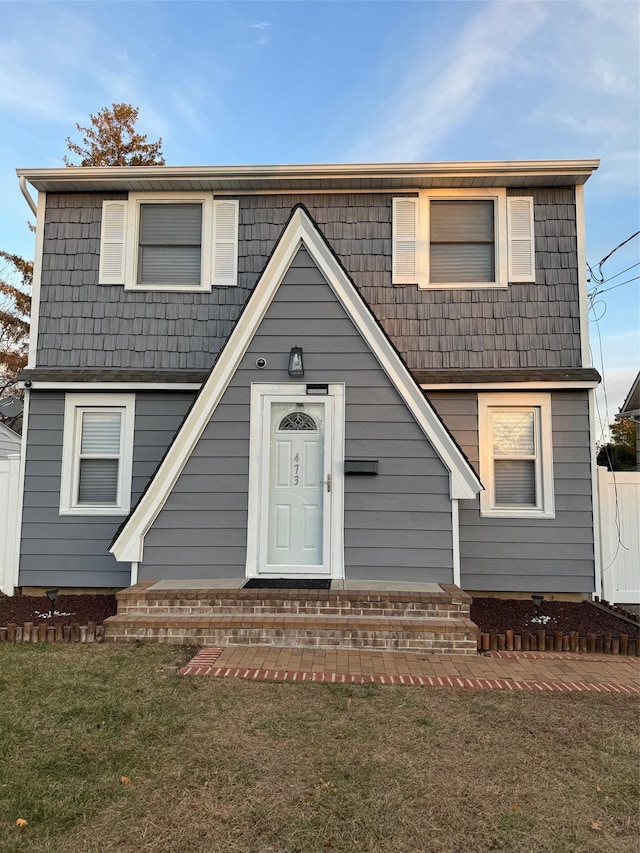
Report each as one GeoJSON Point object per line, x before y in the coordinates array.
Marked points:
{"type": "Point", "coordinates": [515, 482]}
{"type": "Point", "coordinates": [98, 481]}
{"type": "Point", "coordinates": [170, 244]}
{"type": "Point", "coordinates": [462, 241]}
{"type": "Point", "coordinates": [99, 457]}
{"type": "Point", "coordinates": [514, 451]}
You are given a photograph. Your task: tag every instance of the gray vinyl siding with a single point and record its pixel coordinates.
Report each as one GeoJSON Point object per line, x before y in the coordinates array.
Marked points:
{"type": "Point", "coordinates": [83, 324]}
{"type": "Point", "coordinates": [72, 550]}
{"type": "Point", "coordinates": [397, 525]}
{"type": "Point", "coordinates": [529, 555]}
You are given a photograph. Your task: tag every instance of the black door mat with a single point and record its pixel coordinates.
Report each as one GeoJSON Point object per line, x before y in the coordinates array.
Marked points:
{"type": "Point", "coordinates": [286, 583]}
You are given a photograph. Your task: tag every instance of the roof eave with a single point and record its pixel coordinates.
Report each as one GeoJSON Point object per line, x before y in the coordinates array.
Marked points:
{"type": "Point", "coordinates": [313, 176]}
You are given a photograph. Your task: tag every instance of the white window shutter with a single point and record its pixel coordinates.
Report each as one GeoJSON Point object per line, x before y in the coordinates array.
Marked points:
{"type": "Point", "coordinates": [405, 241]}
{"type": "Point", "coordinates": [225, 242]}
{"type": "Point", "coordinates": [112, 242]}
{"type": "Point", "coordinates": [522, 262]}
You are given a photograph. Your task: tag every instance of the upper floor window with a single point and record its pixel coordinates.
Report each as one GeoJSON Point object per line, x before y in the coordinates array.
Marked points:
{"type": "Point", "coordinates": [169, 241]}
{"type": "Point", "coordinates": [463, 238]}
{"type": "Point", "coordinates": [170, 244]}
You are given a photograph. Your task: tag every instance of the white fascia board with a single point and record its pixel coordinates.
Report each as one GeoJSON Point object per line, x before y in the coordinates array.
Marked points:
{"type": "Point", "coordinates": [509, 386]}
{"type": "Point", "coordinates": [230, 178]}
{"type": "Point", "coordinates": [463, 481]}
{"type": "Point", "coordinates": [113, 386]}
{"type": "Point", "coordinates": [35, 284]}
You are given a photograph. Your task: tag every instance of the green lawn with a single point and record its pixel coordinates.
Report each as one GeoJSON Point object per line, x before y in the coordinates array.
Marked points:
{"type": "Point", "coordinates": [229, 765]}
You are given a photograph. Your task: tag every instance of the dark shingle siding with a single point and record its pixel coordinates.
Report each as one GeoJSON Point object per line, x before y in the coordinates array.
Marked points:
{"type": "Point", "coordinates": [527, 325]}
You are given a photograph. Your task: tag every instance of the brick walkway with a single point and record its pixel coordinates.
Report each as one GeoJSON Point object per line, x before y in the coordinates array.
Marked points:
{"type": "Point", "coordinates": [497, 671]}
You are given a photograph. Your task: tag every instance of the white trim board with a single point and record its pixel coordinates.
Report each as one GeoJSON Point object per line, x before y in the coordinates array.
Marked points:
{"type": "Point", "coordinates": [113, 386]}
{"type": "Point", "coordinates": [583, 299]}
{"type": "Point", "coordinates": [508, 386]}
{"type": "Point", "coordinates": [21, 476]}
{"type": "Point", "coordinates": [37, 279]}
{"type": "Point", "coordinates": [301, 230]}
{"type": "Point", "coordinates": [595, 502]}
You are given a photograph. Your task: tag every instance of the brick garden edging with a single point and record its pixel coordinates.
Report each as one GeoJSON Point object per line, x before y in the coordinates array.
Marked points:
{"type": "Point", "coordinates": [541, 641]}
{"type": "Point", "coordinates": [40, 632]}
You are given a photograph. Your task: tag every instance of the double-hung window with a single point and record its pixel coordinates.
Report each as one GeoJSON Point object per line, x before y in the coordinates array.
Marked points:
{"type": "Point", "coordinates": [97, 454]}
{"type": "Point", "coordinates": [180, 241]}
{"type": "Point", "coordinates": [170, 244]}
{"type": "Point", "coordinates": [463, 238]}
{"type": "Point", "coordinates": [516, 464]}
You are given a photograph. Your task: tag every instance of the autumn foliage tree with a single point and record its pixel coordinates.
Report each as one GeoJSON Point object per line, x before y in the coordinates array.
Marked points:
{"type": "Point", "coordinates": [112, 140]}
{"type": "Point", "coordinates": [16, 275]}
{"type": "Point", "coordinates": [620, 453]}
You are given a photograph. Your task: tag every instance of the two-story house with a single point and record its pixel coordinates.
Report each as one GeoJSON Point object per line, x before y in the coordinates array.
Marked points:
{"type": "Point", "coordinates": [373, 373]}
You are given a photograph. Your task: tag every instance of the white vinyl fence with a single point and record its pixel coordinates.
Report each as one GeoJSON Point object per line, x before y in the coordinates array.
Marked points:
{"type": "Point", "coordinates": [9, 521]}
{"type": "Point", "coordinates": [619, 504]}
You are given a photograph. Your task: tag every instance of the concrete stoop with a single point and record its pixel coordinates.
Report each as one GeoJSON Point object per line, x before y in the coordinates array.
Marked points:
{"type": "Point", "coordinates": [433, 620]}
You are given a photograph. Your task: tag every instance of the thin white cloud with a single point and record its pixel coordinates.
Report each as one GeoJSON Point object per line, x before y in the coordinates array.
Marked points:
{"type": "Point", "coordinates": [45, 82]}
{"type": "Point", "coordinates": [31, 92]}
{"type": "Point", "coordinates": [441, 92]}
{"type": "Point", "coordinates": [590, 97]}
{"type": "Point", "coordinates": [263, 28]}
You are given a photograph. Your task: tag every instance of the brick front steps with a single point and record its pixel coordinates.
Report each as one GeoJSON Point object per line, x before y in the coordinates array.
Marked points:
{"type": "Point", "coordinates": [433, 618]}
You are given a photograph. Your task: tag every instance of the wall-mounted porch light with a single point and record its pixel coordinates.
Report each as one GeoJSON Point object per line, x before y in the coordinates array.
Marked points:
{"type": "Point", "coordinates": [296, 367]}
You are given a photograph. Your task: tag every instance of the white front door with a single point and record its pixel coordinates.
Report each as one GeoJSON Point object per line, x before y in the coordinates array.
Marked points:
{"type": "Point", "coordinates": [298, 488]}
{"type": "Point", "coordinates": [295, 485]}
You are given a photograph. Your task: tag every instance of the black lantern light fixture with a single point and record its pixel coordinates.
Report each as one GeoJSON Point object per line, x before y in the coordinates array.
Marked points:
{"type": "Point", "coordinates": [296, 367]}
{"type": "Point", "coordinates": [52, 594]}
{"type": "Point", "coordinates": [537, 600]}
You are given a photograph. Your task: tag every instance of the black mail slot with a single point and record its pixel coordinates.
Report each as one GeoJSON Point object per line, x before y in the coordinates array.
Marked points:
{"type": "Point", "coordinates": [360, 466]}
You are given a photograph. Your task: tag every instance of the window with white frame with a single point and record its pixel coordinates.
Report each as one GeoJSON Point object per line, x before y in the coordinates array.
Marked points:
{"type": "Point", "coordinates": [463, 238]}
{"type": "Point", "coordinates": [97, 454]}
{"type": "Point", "coordinates": [182, 241]}
{"type": "Point", "coordinates": [516, 455]}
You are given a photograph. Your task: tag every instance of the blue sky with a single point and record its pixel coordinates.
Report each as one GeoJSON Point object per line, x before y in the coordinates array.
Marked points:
{"type": "Point", "coordinates": [300, 82]}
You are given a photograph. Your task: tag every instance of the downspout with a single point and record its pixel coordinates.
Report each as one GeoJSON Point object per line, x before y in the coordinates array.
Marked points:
{"type": "Point", "coordinates": [25, 192]}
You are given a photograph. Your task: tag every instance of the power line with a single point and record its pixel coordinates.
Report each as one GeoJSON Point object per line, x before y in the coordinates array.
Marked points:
{"type": "Point", "coordinates": [607, 289]}
{"type": "Point", "coordinates": [637, 264]}
{"type": "Point", "coordinates": [599, 278]}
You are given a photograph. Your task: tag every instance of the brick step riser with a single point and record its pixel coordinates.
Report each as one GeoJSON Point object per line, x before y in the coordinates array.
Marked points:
{"type": "Point", "coordinates": [436, 643]}
{"type": "Point", "coordinates": [266, 607]}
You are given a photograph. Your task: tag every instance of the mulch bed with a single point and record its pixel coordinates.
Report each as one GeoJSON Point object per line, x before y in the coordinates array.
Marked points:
{"type": "Point", "coordinates": [490, 614]}
{"type": "Point", "coordinates": [500, 614]}
{"type": "Point", "coordinates": [69, 609]}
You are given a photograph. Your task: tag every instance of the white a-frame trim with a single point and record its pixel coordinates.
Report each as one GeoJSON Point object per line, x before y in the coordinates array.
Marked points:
{"type": "Point", "coordinates": [301, 231]}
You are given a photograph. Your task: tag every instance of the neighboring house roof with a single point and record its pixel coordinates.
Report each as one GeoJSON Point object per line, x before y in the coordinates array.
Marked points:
{"type": "Point", "coordinates": [10, 441]}
{"type": "Point", "coordinates": [301, 230]}
{"type": "Point", "coordinates": [361, 176]}
{"type": "Point", "coordinates": [631, 406]}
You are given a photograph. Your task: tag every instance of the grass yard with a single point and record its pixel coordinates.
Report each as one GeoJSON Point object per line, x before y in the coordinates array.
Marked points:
{"type": "Point", "coordinates": [103, 748]}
